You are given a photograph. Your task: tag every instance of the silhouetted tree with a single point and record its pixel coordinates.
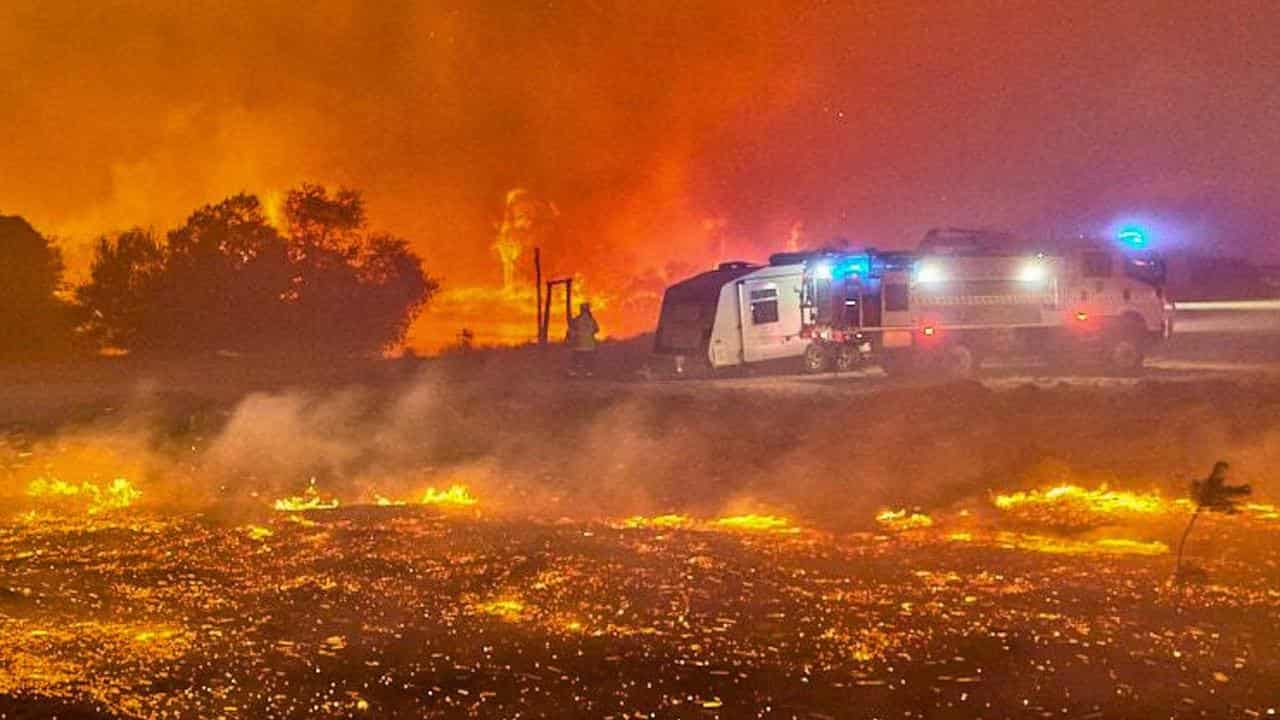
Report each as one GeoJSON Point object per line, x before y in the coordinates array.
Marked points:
{"type": "Point", "coordinates": [227, 274]}
{"type": "Point", "coordinates": [120, 299]}
{"type": "Point", "coordinates": [34, 322]}
{"type": "Point", "coordinates": [228, 280]}
{"type": "Point", "coordinates": [353, 291]}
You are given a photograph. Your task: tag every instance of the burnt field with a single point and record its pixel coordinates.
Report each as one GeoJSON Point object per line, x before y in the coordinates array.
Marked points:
{"type": "Point", "coordinates": [439, 544]}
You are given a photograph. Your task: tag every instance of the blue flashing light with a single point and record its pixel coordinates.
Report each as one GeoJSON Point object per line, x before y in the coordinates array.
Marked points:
{"type": "Point", "coordinates": [842, 267]}
{"type": "Point", "coordinates": [1133, 237]}
{"type": "Point", "coordinates": [858, 265]}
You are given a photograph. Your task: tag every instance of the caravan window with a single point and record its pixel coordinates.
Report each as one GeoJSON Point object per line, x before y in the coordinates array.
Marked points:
{"type": "Point", "coordinates": [764, 306]}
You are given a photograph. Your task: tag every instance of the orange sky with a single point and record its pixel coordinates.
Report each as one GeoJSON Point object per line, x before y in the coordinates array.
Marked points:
{"type": "Point", "coordinates": [667, 134]}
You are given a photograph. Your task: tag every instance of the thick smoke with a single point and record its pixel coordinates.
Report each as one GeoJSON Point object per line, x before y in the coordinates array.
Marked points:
{"type": "Point", "coordinates": [526, 443]}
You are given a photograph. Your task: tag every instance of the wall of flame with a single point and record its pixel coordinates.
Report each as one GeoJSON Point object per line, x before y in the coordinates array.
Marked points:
{"type": "Point", "coordinates": [668, 136]}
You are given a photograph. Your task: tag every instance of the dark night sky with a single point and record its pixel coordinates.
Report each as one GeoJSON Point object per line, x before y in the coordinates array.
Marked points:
{"type": "Point", "coordinates": [662, 131]}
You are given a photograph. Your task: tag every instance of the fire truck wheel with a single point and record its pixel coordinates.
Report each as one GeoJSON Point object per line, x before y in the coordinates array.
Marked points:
{"type": "Point", "coordinates": [816, 359]}
{"type": "Point", "coordinates": [1125, 354]}
{"type": "Point", "coordinates": [846, 358]}
{"type": "Point", "coordinates": [961, 360]}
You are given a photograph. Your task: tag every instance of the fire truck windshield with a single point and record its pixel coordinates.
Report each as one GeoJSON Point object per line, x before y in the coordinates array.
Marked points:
{"type": "Point", "coordinates": [1148, 268]}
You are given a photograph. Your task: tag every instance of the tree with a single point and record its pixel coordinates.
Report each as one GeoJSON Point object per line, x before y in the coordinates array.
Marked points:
{"type": "Point", "coordinates": [353, 291]}
{"type": "Point", "coordinates": [120, 299]}
{"type": "Point", "coordinates": [226, 273]}
{"type": "Point", "coordinates": [34, 322]}
{"type": "Point", "coordinates": [227, 280]}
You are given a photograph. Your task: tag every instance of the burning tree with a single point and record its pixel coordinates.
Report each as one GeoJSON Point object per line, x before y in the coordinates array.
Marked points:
{"type": "Point", "coordinates": [524, 219]}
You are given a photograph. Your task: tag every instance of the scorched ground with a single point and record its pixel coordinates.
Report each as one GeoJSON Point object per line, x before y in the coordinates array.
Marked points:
{"type": "Point", "coordinates": [638, 552]}
{"type": "Point", "coordinates": [414, 612]}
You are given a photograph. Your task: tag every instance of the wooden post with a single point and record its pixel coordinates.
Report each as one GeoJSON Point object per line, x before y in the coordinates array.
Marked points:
{"type": "Point", "coordinates": [546, 310]}
{"type": "Point", "coordinates": [537, 284]}
{"type": "Point", "coordinates": [568, 300]}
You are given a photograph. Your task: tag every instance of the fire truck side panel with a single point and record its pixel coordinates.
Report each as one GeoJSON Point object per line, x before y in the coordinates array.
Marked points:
{"type": "Point", "coordinates": [1088, 297]}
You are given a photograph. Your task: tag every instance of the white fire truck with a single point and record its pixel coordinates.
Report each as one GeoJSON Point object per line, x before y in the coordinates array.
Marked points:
{"type": "Point", "coordinates": [965, 295]}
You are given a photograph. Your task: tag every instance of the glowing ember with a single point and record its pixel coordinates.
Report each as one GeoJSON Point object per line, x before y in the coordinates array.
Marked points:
{"type": "Point", "coordinates": [383, 501]}
{"type": "Point", "coordinates": [900, 520]}
{"type": "Point", "coordinates": [756, 523]}
{"type": "Point", "coordinates": [309, 500]}
{"type": "Point", "coordinates": [863, 644]}
{"type": "Point", "coordinates": [1263, 511]}
{"type": "Point", "coordinates": [116, 495]}
{"type": "Point", "coordinates": [456, 495]}
{"type": "Point", "coordinates": [257, 532]}
{"type": "Point", "coordinates": [1060, 546]}
{"type": "Point", "coordinates": [509, 609]}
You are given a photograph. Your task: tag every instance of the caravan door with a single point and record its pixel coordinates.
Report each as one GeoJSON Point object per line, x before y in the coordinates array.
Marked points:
{"type": "Point", "coordinates": [770, 309]}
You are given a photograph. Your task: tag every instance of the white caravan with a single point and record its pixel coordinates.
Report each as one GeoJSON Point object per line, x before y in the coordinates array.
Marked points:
{"type": "Point", "coordinates": [737, 314]}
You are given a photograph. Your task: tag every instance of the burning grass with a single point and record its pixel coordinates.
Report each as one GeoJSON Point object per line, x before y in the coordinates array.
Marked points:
{"type": "Point", "coordinates": [671, 521]}
{"type": "Point", "coordinates": [1069, 506]}
{"type": "Point", "coordinates": [310, 499]}
{"type": "Point", "coordinates": [86, 496]}
{"type": "Point", "coordinates": [454, 496]}
{"type": "Point", "coordinates": [756, 523]}
{"type": "Point", "coordinates": [901, 520]}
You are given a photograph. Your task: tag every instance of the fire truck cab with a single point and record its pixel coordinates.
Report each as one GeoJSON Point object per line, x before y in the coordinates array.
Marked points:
{"type": "Point", "coordinates": [965, 295]}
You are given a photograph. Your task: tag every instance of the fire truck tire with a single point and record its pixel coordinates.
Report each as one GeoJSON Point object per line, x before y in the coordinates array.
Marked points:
{"type": "Point", "coordinates": [1124, 347]}
{"type": "Point", "coordinates": [816, 358]}
{"type": "Point", "coordinates": [1125, 354]}
{"type": "Point", "coordinates": [961, 360]}
{"type": "Point", "coordinates": [846, 358]}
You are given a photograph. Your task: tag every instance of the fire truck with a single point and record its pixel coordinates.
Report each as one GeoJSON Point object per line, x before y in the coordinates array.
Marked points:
{"type": "Point", "coordinates": [967, 295]}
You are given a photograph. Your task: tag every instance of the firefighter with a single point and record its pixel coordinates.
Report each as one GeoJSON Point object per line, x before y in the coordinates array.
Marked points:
{"type": "Point", "coordinates": [1214, 493]}
{"type": "Point", "coordinates": [582, 338]}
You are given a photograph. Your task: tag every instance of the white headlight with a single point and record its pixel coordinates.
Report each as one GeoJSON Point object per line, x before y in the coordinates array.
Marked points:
{"type": "Point", "coordinates": [930, 273]}
{"type": "Point", "coordinates": [1032, 272]}
{"type": "Point", "coordinates": [822, 271]}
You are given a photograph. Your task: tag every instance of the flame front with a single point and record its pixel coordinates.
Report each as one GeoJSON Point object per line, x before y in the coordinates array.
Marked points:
{"type": "Point", "coordinates": [670, 521]}
{"type": "Point", "coordinates": [1102, 500]}
{"type": "Point", "coordinates": [309, 500]}
{"type": "Point", "coordinates": [757, 523]}
{"type": "Point", "coordinates": [116, 495]}
{"type": "Point", "coordinates": [900, 520]}
{"type": "Point", "coordinates": [456, 496]}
